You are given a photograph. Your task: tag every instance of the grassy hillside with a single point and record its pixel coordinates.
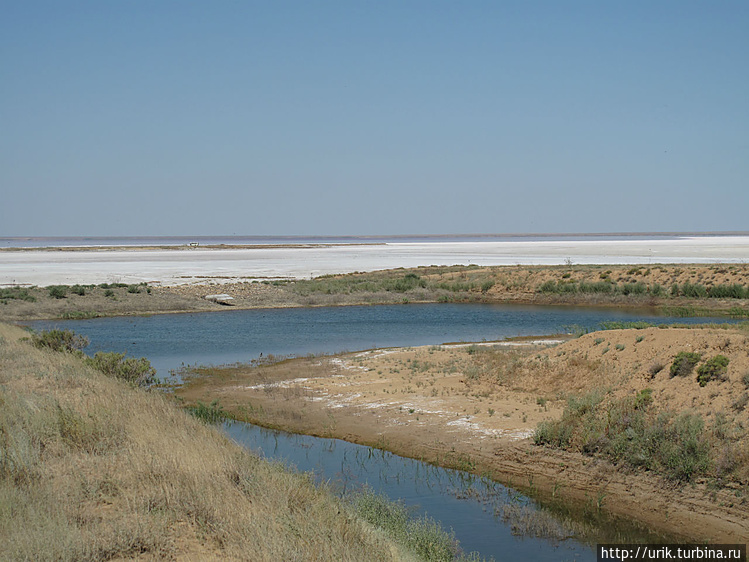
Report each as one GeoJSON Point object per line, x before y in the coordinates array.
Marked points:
{"type": "Point", "coordinates": [92, 468]}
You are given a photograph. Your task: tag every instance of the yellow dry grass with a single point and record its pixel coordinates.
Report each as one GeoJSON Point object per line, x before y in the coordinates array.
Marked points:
{"type": "Point", "coordinates": [91, 469]}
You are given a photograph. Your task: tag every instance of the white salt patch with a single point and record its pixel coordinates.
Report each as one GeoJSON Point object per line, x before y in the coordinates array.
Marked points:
{"type": "Point", "coordinates": [181, 267]}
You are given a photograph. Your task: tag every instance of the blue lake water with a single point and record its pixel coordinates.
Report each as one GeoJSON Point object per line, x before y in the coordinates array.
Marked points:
{"type": "Point", "coordinates": [460, 501]}
{"type": "Point", "coordinates": [213, 338]}
{"type": "Point", "coordinates": [464, 503]}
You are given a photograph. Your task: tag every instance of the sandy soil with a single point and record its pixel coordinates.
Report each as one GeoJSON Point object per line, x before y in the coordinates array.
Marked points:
{"type": "Point", "coordinates": [200, 265]}
{"type": "Point", "coordinates": [474, 408]}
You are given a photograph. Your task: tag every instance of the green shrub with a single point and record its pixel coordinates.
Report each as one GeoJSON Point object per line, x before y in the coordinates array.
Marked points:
{"type": "Point", "coordinates": [547, 287]}
{"type": "Point", "coordinates": [734, 291]}
{"type": "Point", "coordinates": [109, 293]}
{"type": "Point", "coordinates": [657, 290]}
{"type": "Point", "coordinates": [213, 413]}
{"type": "Point", "coordinates": [408, 282]}
{"type": "Point", "coordinates": [681, 446]}
{"type": "Point", "coordinates": [638, 288]}
{"type": "Point", "coordinates": [629, 431]}
{"type": "Point", "coordinates": [59, 340]}
{"type": "Point", "coordinates": [137, 372]}
{"type": "Point", "coordinates": [79, 290]}
{"type": "Point", "coordinates": [133, 289]}
{"type": "Point", "coordinates": [113, 285]}
{"type": "Point", "coordinates": [696, 291]}
{"type": "Point", "coordinates": [58, 291]}
{"type": "Point", "coordinates": [16, 293]}
{"type": "Point", "coordinates": [684, 362]}
{"type": "Point", "coordinates": [713, 368]}
{"type": "Point", "coordinates": [598, 287]}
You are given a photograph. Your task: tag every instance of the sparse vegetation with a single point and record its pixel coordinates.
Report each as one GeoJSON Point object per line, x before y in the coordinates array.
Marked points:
{"type": "Point", "coordinates": [135, 371]}
{"type": "Point", "coordinates": [684, 363]}
{"type": "Point", "coordinates": [631, 431]}
{"type": "Point", "coordinates": [16, 293]}
{"type": "Point", "coordinates": [212, 413]}
{"type": "Point", "coordinates": [712, 369]}
{"type": "Point", "coordinates": [79, 290]}
{"type": "Point", "coordinates": [57, 291]}
{"type": "Point", "coordinates": [694, 290]}
{"type": "Point", "coordinates": [745, 380]}
{"type": "Point", "coordinates": [421, 536]}
{"type": "Point", "coordinates": [655, 368]}
{"type": "Point", "coordinates": [59, 340]}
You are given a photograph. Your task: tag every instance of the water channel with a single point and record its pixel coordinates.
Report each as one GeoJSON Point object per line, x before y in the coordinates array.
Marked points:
{"type": "Point", "coordinates": [470, 506]}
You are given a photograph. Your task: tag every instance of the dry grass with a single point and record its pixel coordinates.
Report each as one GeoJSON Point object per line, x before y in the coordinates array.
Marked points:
{"type": "Point", "coordinates": [91, 469]}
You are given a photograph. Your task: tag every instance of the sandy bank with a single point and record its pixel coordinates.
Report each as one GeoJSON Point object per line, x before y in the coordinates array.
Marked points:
{"type": "Point", "coordinates": [474, 408]}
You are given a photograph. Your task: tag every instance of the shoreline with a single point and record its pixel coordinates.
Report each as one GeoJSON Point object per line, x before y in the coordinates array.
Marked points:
{"type": "Point", "coordinates": [627, 287]}
{"type": "Point", "coordinates": [449, 420]}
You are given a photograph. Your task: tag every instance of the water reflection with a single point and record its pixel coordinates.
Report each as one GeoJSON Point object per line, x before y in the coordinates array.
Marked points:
{"type": "Point", "coordinates": [473, 507]}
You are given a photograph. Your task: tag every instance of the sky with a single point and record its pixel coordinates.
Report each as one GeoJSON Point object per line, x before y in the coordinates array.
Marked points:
{"type": "Point", "coordinates": [355, 117]}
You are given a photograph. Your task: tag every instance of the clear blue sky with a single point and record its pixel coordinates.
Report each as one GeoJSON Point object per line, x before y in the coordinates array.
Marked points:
{"type": "Point", "coordinates": [390, 117]}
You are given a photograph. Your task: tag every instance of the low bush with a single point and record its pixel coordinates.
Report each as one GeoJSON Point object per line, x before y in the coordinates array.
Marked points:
{"type": "Point", "coordinates": [693, 290]}
{"type": "Point", "coordinates": [630, 431]}
{"type": "Point", "coordinates": [57, 291]}
{"type": "Point", "coordinates": [16, 293]}
{"type": "Point", "coordinates": [112, 285]}
{"type": "Point", "coordinates": [136, 371]}
{"type": "Point", "coordinates": [655, 368]}
{"type": "Point", "coordinates": [683, 363]}
{"type": "Point", "coordinates": [734, 291]}
{"type": "Point", "coordinates": [59, 340]}
{"type": "Point", "coordinates": [638, 288]}
{"type": "Point", "coordinates": [713, 368]}
{"type": "Point", "coordinates": [79, 290]}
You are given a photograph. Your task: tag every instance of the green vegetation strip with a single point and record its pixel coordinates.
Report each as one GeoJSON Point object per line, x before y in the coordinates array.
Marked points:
{"type": "Point", "coordinates": [689, 290]}
{"type": "Point", "coordinates": [631, 431]}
